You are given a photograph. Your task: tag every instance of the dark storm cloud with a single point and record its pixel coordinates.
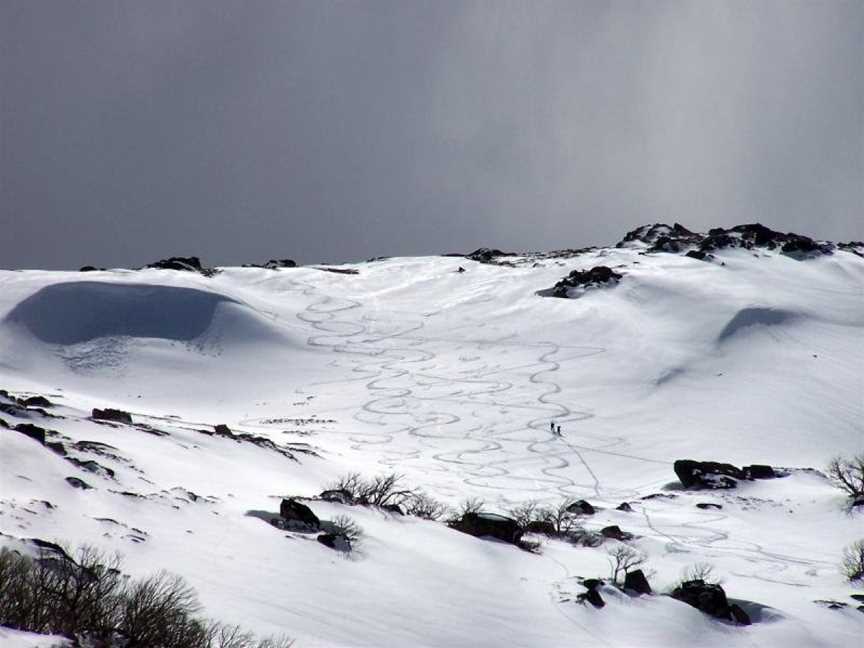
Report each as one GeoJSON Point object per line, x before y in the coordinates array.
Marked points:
{"type": "Point", "coordinates": [342, 130]}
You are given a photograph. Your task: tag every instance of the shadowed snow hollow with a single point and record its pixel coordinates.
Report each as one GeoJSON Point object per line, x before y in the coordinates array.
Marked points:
{"type": "Point", "coordinates": [82, 311]}
{"type": "Point", "coordinates": [755, 316]}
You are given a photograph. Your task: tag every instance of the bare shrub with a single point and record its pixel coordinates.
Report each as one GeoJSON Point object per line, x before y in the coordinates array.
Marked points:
{"type": "Point", "coordinates": [565, 522]}
{"type": "Point", "coordinates": [88, 597]}
{"type": "Point", "coordinates": [423, 506]}
{"type": "Point", "coordinates": [352, 483]}
{"type": "Point", "coordinates": [233, 636]}
{"type": "Point", "coordinates": [159, 611]}
{"type": "Point", "coordinates": [471, 505]}
{"type": "Point", "coordinates": [848, 475]}
{"type": "Point", "coordinates": [383, 490]}
{"type": "Point", "coordinates": [623, 559]}
{"type": "Point", "coordinates": [703, 571]}
{"type": "Point", "coordinates": [526, 513]}
{"type": "Point", "coordinates": [852, 564]}
{"type": "Point", "coordinates": [347, 527]}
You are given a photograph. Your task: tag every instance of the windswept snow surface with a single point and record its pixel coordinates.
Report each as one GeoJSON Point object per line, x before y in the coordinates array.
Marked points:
{"type": "Point", "coordinates": [451, 379]}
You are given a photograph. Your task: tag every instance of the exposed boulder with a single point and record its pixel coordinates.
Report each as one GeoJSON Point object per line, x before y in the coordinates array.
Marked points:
{"type": "Point", "coordinates": [78, 483]}
{"type": "Point", "coordinates": [89, 268]}
{"type": "Point", "coordinates": [649, 236]}
{"type": "Point", "coordinates": [592, 596]}
{"type": "Point", "coordinates": [222, 430]}
{"type": "Point", "coordinates": [108, 414]}
{"type": "Point", "coordinates": [759, 471]}
{"type": "Point", "coordinates": [708, 505]}
{"type": "Point", "coordinates": [299, 514]}
{"type": "Point", "coordinates": [583, 279]}
{"type": "Point", "coordinates": [707, 474]}
{"type": "Point", "coordinates": [275, 264]}
{"type": "Point", "coordinates": [338, 495]}
{"type": "Point", "coordinates": [581, 507]}
{"type": "Point", "coordinates": [486, 255]}
{"type": "Point", "coordinates": [635, 580]}
{"type": "Point", "coordinates": [489, 524]}
{"type": "Point", "coordinates": [624, 506]}
{"type": "Point", "coordinates": [615, 533]}
{"type": "Point", "coordinates": [337, 541]}
{"type": "Point", "coordinates": [185, 264]}
{"type": "Point", "coordinates": [677, 239]}
{"type": "Point", "coordinates": [36, 401]}
{"type": "Point", "coordinates": [33, 431]}
{"type": "Point", "coordinates": [709, 598]}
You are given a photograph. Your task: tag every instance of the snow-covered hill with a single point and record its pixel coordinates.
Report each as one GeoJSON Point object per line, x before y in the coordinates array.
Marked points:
{"type": "Point", "coordinates": [449, 371]}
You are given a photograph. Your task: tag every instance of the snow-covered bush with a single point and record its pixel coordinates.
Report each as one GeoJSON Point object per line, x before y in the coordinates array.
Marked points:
{"type": "Point", "coordinates": [852, 564]}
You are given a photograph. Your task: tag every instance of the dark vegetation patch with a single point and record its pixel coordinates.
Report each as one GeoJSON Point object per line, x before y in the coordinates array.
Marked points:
{"type": "Point", "coordinates": [87, 598]}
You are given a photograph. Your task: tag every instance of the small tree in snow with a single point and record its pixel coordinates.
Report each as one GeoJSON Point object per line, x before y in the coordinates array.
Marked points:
{"type": "Point", "coordinates": [848, 474]}
{"type": "Point", "coordinates": [623, 559]}
{"type": "Point", "coordinates": [852, 564]}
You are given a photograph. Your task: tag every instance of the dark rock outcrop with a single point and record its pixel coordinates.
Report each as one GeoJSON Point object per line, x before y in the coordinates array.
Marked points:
{"type": "Point", "coordinates": [338, 495]}
{"type": "Point", "coordinates": [592, 596]}
{"type": "Point", "coordinates": [635, 580]}
{"type": "Point", "coordinates": [337, 541]}
{"type": "Point", "coordinates": [489, 524]}
{"type": "Point", "coordinates": [709, 598]}
{"type": "Point", "coordinates": [33, 431]}
{"type": "Point", "coordinates": [185, 264]}
{"type": "Point", "coordinates": [624, 506]}
{"type": "Point", "coordinates": [36, 401]}
{"type": "Point", "coordinates": [677, 239]}
{"type": "Point", "coordinates": [487, 255]}
{"type": "Point", "coordinates": [593, 278]}
{"type": "Point", "coordinates": [712, 474]}
{"type": "Point", "coordinates": [759, 471]}
{"type": "Point", "coordinates": [108, 414]}
{"type": "Point", "coordinates": [78, 483]}
{"type": "Point", "coordinates": [275, 264]}
{"type": "Point", "coordinates": [615, 533]}
{"type": "Point", "coordinates": [708, 505]}
{"type": "Point", "coordinates": [581, 507]}
{"type": "Point", "coordinates": [298, 513]}
{"type": "Point", "coordinates": [707, 474]}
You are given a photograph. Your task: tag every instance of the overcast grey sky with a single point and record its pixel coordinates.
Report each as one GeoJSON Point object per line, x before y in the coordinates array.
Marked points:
{"type": "Point", "coordinates": [327, 131]}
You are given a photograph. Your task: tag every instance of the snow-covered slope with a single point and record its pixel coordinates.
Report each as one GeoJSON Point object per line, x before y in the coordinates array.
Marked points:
{"type": "Point", "coordinates": [450, 378]}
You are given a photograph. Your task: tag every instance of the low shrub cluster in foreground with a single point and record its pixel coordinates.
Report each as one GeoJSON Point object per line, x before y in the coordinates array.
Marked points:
{"type": "Point", "coordinates": [88, 599]}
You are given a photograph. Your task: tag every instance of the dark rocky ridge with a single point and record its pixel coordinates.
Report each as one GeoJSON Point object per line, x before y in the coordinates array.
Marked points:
{"type": "Point", "coordinates": [677, 239]}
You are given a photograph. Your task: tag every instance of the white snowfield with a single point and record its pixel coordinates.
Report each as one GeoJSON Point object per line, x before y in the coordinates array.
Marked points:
{"type": "Point", "coordinates": [451, 379]}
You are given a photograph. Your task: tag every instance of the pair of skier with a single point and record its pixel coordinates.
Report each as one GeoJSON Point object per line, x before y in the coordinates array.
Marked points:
{"type": "Point", "coordinates": [555, 429]}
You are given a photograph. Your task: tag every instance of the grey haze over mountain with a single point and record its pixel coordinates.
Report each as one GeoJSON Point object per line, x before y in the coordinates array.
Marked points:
{"type": "Point", "coordinates": [335, 131]}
